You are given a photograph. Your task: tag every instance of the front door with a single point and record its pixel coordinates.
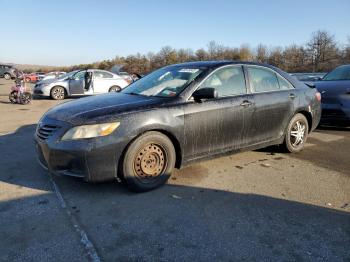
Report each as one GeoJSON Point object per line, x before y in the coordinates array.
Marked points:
{"type": "Point", "coordinates": [218, 125]}
{"type": "Point", "coordinates": [77, 83]}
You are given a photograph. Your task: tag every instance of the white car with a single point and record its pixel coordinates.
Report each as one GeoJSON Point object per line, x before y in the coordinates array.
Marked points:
{"type": "Point", "coordinates": [53, 75]}
{"type": "Point", "coordinates": [80, 82]}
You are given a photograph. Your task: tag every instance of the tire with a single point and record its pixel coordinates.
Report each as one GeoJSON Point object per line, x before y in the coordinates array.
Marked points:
{"type": "Point", "coordinates": [13, 97]}
{"type": "Point", "coordinates": [7, 76]}
{"type": "Point", "coordinates": [114, 89]}
{"type": "Point", "coordinates": [57, 93]}
{"type": "Point", "coordinates": [148, 162]}
{"type": "Point", "coordinates": [25, 98]}
{"type": "Point", "coordinates": [296, 134]}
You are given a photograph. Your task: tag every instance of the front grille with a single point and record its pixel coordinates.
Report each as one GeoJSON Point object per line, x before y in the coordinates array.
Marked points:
{"type": "Point", "coordinates": [45, 131]}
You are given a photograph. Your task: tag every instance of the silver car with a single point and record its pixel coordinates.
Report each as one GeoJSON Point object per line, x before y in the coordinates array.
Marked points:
{"type": "Point", "coordinates": [80, 82]}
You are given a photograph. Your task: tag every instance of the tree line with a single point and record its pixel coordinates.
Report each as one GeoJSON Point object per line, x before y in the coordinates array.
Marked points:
{"type": "Point", "coordinates": [321, 53]}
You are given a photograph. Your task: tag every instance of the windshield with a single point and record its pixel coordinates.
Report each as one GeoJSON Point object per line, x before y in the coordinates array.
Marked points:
{"type": "Point", "coordinates": [164, 82]}
{"type": "Point", "coordinates": [340, 73]}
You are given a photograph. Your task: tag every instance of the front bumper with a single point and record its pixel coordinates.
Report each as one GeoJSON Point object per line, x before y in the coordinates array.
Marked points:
{"type": "Point", "coordinates": [94, 160]}
{"type": "Point", "coordinates": [42, 90]}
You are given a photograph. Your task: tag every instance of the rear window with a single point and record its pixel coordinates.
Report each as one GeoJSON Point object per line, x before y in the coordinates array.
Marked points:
{"type": "Point", "coordinates": [284, 84]}
{"type": "Point", "coordinates": [262, 80]}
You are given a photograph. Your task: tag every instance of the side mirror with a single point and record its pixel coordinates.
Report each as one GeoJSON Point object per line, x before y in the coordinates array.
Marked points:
{"type": "Point", "coordinates": [204, 93]}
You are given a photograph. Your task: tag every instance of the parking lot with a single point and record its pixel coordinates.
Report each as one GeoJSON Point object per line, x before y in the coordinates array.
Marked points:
{"type": "Point", "coordinates": [256, 206]}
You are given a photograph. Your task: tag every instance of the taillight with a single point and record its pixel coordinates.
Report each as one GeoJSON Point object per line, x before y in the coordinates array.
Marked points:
{"type": "Point", "coordinates": [318, 96]}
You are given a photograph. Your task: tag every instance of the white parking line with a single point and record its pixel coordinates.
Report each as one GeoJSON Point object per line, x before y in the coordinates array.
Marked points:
{"type": "Point", "coordinates": [89, 247]}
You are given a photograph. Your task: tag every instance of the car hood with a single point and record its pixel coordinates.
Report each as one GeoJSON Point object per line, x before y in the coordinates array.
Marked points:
{"type": "Point", "coordinates": [101, 108]}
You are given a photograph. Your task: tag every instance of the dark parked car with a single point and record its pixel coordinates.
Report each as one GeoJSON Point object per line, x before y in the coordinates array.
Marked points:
{"type": "Point", "coordinates": [174, 116]}
{"type": "Point", "coordinates": [7, 71]}
{"type": "Point", "coordinates": [309, 77]}
{"type": "Point", "coordinates": [335, 90]}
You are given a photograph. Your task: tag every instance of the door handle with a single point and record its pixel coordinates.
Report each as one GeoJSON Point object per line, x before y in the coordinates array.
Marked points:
{"type": "Point", "coordinates": [291, 96]}
{"type": "Point", "coordinates": [246, 103]}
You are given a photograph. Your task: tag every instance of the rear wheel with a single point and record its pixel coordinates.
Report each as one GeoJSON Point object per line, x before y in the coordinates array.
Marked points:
{"type": "Point", "coordinates": [25, 98]}
{"type": "Point", "coordinates": [7, 76]}
{"type": "Point", "coordinates": [57, 93]}
{"type": "Point", "coordinates": [296, 134]}
{"type": "Point", "coordinates": [114, 89]}
{"type": "Point", "coordinates": [148, 162]}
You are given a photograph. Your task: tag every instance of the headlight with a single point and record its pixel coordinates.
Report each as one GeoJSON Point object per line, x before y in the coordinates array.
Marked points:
{"type": "Point", "coordinates": [89, 131]}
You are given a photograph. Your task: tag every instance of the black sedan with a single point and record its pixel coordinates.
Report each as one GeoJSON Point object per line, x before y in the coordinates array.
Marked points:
{"type": "Point", "coordinates": [174, 116]}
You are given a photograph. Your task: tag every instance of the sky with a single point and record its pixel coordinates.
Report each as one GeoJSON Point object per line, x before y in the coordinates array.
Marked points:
{"type": "Point", "coordinates": [67, 32]}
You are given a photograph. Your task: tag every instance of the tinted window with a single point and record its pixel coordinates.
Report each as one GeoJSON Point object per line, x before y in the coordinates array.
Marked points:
{"type": "Point", "coordinates": [262, 80]}
{"type": "Point", "coordinates": [227, 81]}
{"type": "Point", "coordinates": [284, 84]}
{"type": "Point", "coordinates": [340, 73]}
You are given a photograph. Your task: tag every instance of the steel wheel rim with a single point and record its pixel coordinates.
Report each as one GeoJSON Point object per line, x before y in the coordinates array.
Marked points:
{"type": "Point", "coordinates": [297, 133]}
{"type": "Point", "coordinates": [58, 93]}
{"type": "Point", "coordinates": [150, 162]}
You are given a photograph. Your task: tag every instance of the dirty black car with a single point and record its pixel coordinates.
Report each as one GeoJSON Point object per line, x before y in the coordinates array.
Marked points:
{"type": "Point", "coordinates": [174, 116]}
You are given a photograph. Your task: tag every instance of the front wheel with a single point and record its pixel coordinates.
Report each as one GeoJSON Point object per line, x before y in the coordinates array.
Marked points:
{"type": "Point", "coordinates": [13, 97]}
{"type": "Point", "coordinates": [57, 93]}
{"type": "Point", "coordinates": [148, 162]}
{"type": "Point", "coordinates": [296, 134]}
{"type": "Point", "coordinates": [7, 76]}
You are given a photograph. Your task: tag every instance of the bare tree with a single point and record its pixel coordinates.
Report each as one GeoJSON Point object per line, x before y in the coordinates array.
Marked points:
{"type": "Point", "coordinates": [261, 54]}
{"type": "Point", "coordinates": [322, 49]}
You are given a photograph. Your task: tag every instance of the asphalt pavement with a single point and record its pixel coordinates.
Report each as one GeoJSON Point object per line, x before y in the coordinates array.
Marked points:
{"type": "Point", "coordinates": [261, 205]}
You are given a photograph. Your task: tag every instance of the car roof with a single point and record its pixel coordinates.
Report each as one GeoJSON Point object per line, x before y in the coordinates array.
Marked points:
{"type": "Point", "coordinates": [214, 64]}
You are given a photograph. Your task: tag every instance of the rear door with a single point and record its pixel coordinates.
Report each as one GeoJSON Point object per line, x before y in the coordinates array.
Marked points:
{"type": "Point", "coordinates": [274, 100]}
{"type": "Point", "coordinates": [77, 83]}
{"type": "Point", "coordinates": [102, 81]}
{"type": "Point", "coordinates": [218, 125]}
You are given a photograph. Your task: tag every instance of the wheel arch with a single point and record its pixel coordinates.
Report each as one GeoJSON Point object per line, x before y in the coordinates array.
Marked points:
{"type": "Point", "coordinates": [174, 140]}
{"type": "Point", "coordinates": [65, 89]}
{"type": "Point", "coordinates": [308, 117]}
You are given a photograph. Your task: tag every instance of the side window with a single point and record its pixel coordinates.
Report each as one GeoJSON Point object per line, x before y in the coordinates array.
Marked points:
{"type": "Point", "coordinates": [80, 75]}
{"type": "Point", "coordinates": [284, 84]}
{"type": "Point", "coordinates": [227, 81]}
{"type": "Point", "coordinates": [102, 74]}
{"type": "Point", "coordinates": [262, 80]}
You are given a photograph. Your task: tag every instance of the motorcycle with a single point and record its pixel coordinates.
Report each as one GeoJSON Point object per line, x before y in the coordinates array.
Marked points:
{"type": "Point", "coordinates": [19, 93]}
